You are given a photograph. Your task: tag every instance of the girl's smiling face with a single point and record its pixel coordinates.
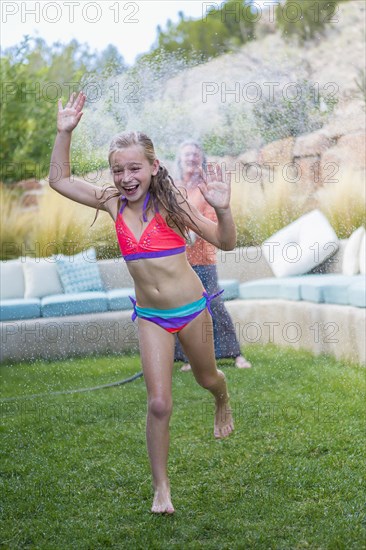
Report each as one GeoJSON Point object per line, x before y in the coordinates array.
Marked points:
{"type": "Point", "coordinates": [132, 171]}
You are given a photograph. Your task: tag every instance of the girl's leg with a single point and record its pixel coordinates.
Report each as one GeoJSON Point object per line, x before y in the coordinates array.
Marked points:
{"type": "Point", "coordinates": [197, 341]}
{"type": "Point", "coordinates": [157, 354]}
{"type": "Point", "coordinates": [225, 339]}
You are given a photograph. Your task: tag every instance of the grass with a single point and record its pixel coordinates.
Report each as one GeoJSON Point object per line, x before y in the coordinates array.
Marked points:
{"type": "Point", "coordinates": [63, 226]}
{"type": "Point", "coordinates": [59, 226]}
{"type": "Point", "coordinates": [75, 472]}
{"type": "Point", "coordinates": [343, 202]}
{"type": "Point", "coordinates": [261, 210]}
{"type": "Point", "coordinates": [14, 223]}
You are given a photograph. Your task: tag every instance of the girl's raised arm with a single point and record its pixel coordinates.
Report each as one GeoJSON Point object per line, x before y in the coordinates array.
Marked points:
{"type": "Point", "coordinates": [217, 193]}
{"type": "Point", "coordinates": [60, 170]}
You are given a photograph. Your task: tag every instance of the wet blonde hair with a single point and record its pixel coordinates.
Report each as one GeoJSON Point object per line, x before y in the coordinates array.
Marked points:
{"type": "Point", "coordinates": [162, 187]}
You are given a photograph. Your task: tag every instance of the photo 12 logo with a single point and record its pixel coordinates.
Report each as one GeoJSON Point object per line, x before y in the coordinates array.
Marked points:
{"type": "Point", "coordinates": [267, 10]}
{"type": "Point", "coordinates": [70, 12]}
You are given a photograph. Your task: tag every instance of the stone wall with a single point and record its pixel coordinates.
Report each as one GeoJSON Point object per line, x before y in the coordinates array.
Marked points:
{"type": "Point", "coordinates": [310, 160]}
{"type": "Point", "coordinates": [314, 159]}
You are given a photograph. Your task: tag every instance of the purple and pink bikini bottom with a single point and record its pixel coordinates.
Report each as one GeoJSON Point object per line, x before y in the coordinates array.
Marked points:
{"type": "Point", "coordinates": [174, 320]}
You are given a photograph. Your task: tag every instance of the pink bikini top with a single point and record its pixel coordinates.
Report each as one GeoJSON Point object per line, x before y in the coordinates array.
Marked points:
{"type": "Point", "coordinates": [157, 239]}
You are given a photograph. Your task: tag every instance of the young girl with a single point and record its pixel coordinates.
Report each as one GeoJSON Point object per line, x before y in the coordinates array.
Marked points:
{"type": "Point", "coordinates": [152, 219]}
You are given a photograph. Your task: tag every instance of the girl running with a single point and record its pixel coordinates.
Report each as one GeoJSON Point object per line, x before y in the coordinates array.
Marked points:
{"type": "Point", "coordinates": [152, 221]}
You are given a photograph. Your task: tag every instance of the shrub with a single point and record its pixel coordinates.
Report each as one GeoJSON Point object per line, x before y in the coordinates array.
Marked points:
{"type": "Point", "coordinates": [14, 223]}
{"type": "Point", "coordinates": [361, 85]}
{"type": "Point", "coordinates": [236, 134]}
{"type": "Point", "coordinates": [305, 20]}
{"type": "Point", "coordinates": [280, 117]}
{"type": "Point", "coordinates": [261, 210]}
{"type": "Point", "coordinates": [343, 202]}
{"type": "Point", "coordinates": [58, 226]}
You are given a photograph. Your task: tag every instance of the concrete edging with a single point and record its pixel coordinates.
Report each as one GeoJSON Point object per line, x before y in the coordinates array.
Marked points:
{"type": "Point", "coordinates": [319, 328]}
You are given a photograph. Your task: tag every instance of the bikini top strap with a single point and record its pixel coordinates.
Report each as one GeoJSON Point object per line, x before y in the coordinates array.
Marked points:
{"type": "Point", "coordinates": [124, 200]}
{"type": "Point", "coordinates": [144, 217]}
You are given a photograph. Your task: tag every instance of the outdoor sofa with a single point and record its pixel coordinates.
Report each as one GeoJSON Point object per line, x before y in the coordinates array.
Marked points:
{"type": "Point", "coordinates": [322, 311]}
{"type": "Point", "coordinates": [39, 320]}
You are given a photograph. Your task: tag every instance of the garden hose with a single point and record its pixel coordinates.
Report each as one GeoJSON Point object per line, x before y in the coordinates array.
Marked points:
{"type": "Point", "coordinates": [63, 392]}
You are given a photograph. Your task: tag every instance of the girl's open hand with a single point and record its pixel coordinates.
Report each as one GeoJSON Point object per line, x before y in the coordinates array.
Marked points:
{"type": "Point", "coordinates": [215, 191]}
{"type": "Point", "coordinates": [68, 118]}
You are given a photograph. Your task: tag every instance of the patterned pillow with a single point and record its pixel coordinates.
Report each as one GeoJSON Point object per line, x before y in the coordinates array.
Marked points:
{"type": "Point", "coordinates": [79, 273]}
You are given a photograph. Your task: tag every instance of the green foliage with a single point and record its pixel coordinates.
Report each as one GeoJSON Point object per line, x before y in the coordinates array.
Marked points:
{"type": "Point", "coordinates": [305, 20]}
{"type": "Point", "coordinates": [361, 85]}
{"type": "Point", "coordinates": [291, 112]}
{"type": "Point", "coordinates": [219, 31]}
{"type": "Point", "coordinates": [235, 135]}
{"type": "Point", "coordinates": [75, 471]}
{"type": "Point", "coordinates": [287, 115]}
{"type": "Point", "coordinates": [110, 62]}
{"type": "Point", "coordinates": [34, 76]}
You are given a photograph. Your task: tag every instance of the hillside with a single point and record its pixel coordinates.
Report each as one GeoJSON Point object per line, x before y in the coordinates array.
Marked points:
{"type": "Point", "coordinates": [171, 110]}
{"type": "Point", "coordinates": [335, 58]}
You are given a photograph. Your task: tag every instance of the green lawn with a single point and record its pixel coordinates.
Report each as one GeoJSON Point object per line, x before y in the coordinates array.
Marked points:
{"type": "Point", "coordinates": [75, 472]}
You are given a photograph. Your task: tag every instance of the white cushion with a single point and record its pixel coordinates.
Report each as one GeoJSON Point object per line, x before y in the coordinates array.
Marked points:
{"type": "Point", "coordinates": [301, 245]}
{"type": "Point", "coordinates": [351, 256]}
{"type": "Point", "coordinates": [11, 280]}
{"type": "Point", "coordinates": [41, 277]}
{"type": "Point", "coordinates": [363, 255]}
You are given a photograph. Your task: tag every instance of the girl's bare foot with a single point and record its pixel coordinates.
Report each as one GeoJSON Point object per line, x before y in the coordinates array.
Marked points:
{"type": "Point", "coordinates": [224, 424]}
{"type": "Point", "coordinates": [185, 368]}
{"type": "Point", "coordinates": [242, 363]}
{"type": "Point", "coordinates": [162, 503]}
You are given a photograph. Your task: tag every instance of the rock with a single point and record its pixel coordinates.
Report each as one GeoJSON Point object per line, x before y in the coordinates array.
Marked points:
{"type": "Point", "coordinates": [308, 173]}
{"type": "Point", "coordinates": [248, 168]}
{"type": "Point", "coordinates": [30, 199]}
{"type": "Point", "coordinates": [29, 184]}
{"type": "Point", "coordinates": [354, 142]}
{"type": "Point", "coordinates": [349, 153]}
{"type": "Point", "coordinates": [249, 157]}
{"type": "Point", "coordinates": [312, 144]}
{"type": "Point", "coordinates": [349, 119]}
{"type": "Point", "coordinates": [252, 172]}
{"type": "Point", "coordinates": [280, 152]}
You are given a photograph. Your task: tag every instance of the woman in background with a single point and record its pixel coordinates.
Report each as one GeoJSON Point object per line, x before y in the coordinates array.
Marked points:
{"type": "Point", "coordinates": [202, 257]}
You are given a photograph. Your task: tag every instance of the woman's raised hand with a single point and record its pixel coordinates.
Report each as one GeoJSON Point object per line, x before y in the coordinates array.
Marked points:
{"type": "Point", "coordinates": [68, 118]}
{"type": "Point", "coordinates": [215, 190]}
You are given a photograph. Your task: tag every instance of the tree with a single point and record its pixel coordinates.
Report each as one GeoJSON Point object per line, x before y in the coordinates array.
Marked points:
{"type": "Point", "coordinates": [110, 61]}
{"type": "Point", "coordinates": [34, 76]}
{"type": "Point", "coordinates": [304, 20]}
{"type": "Point", "coordinates": [222, 29]}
